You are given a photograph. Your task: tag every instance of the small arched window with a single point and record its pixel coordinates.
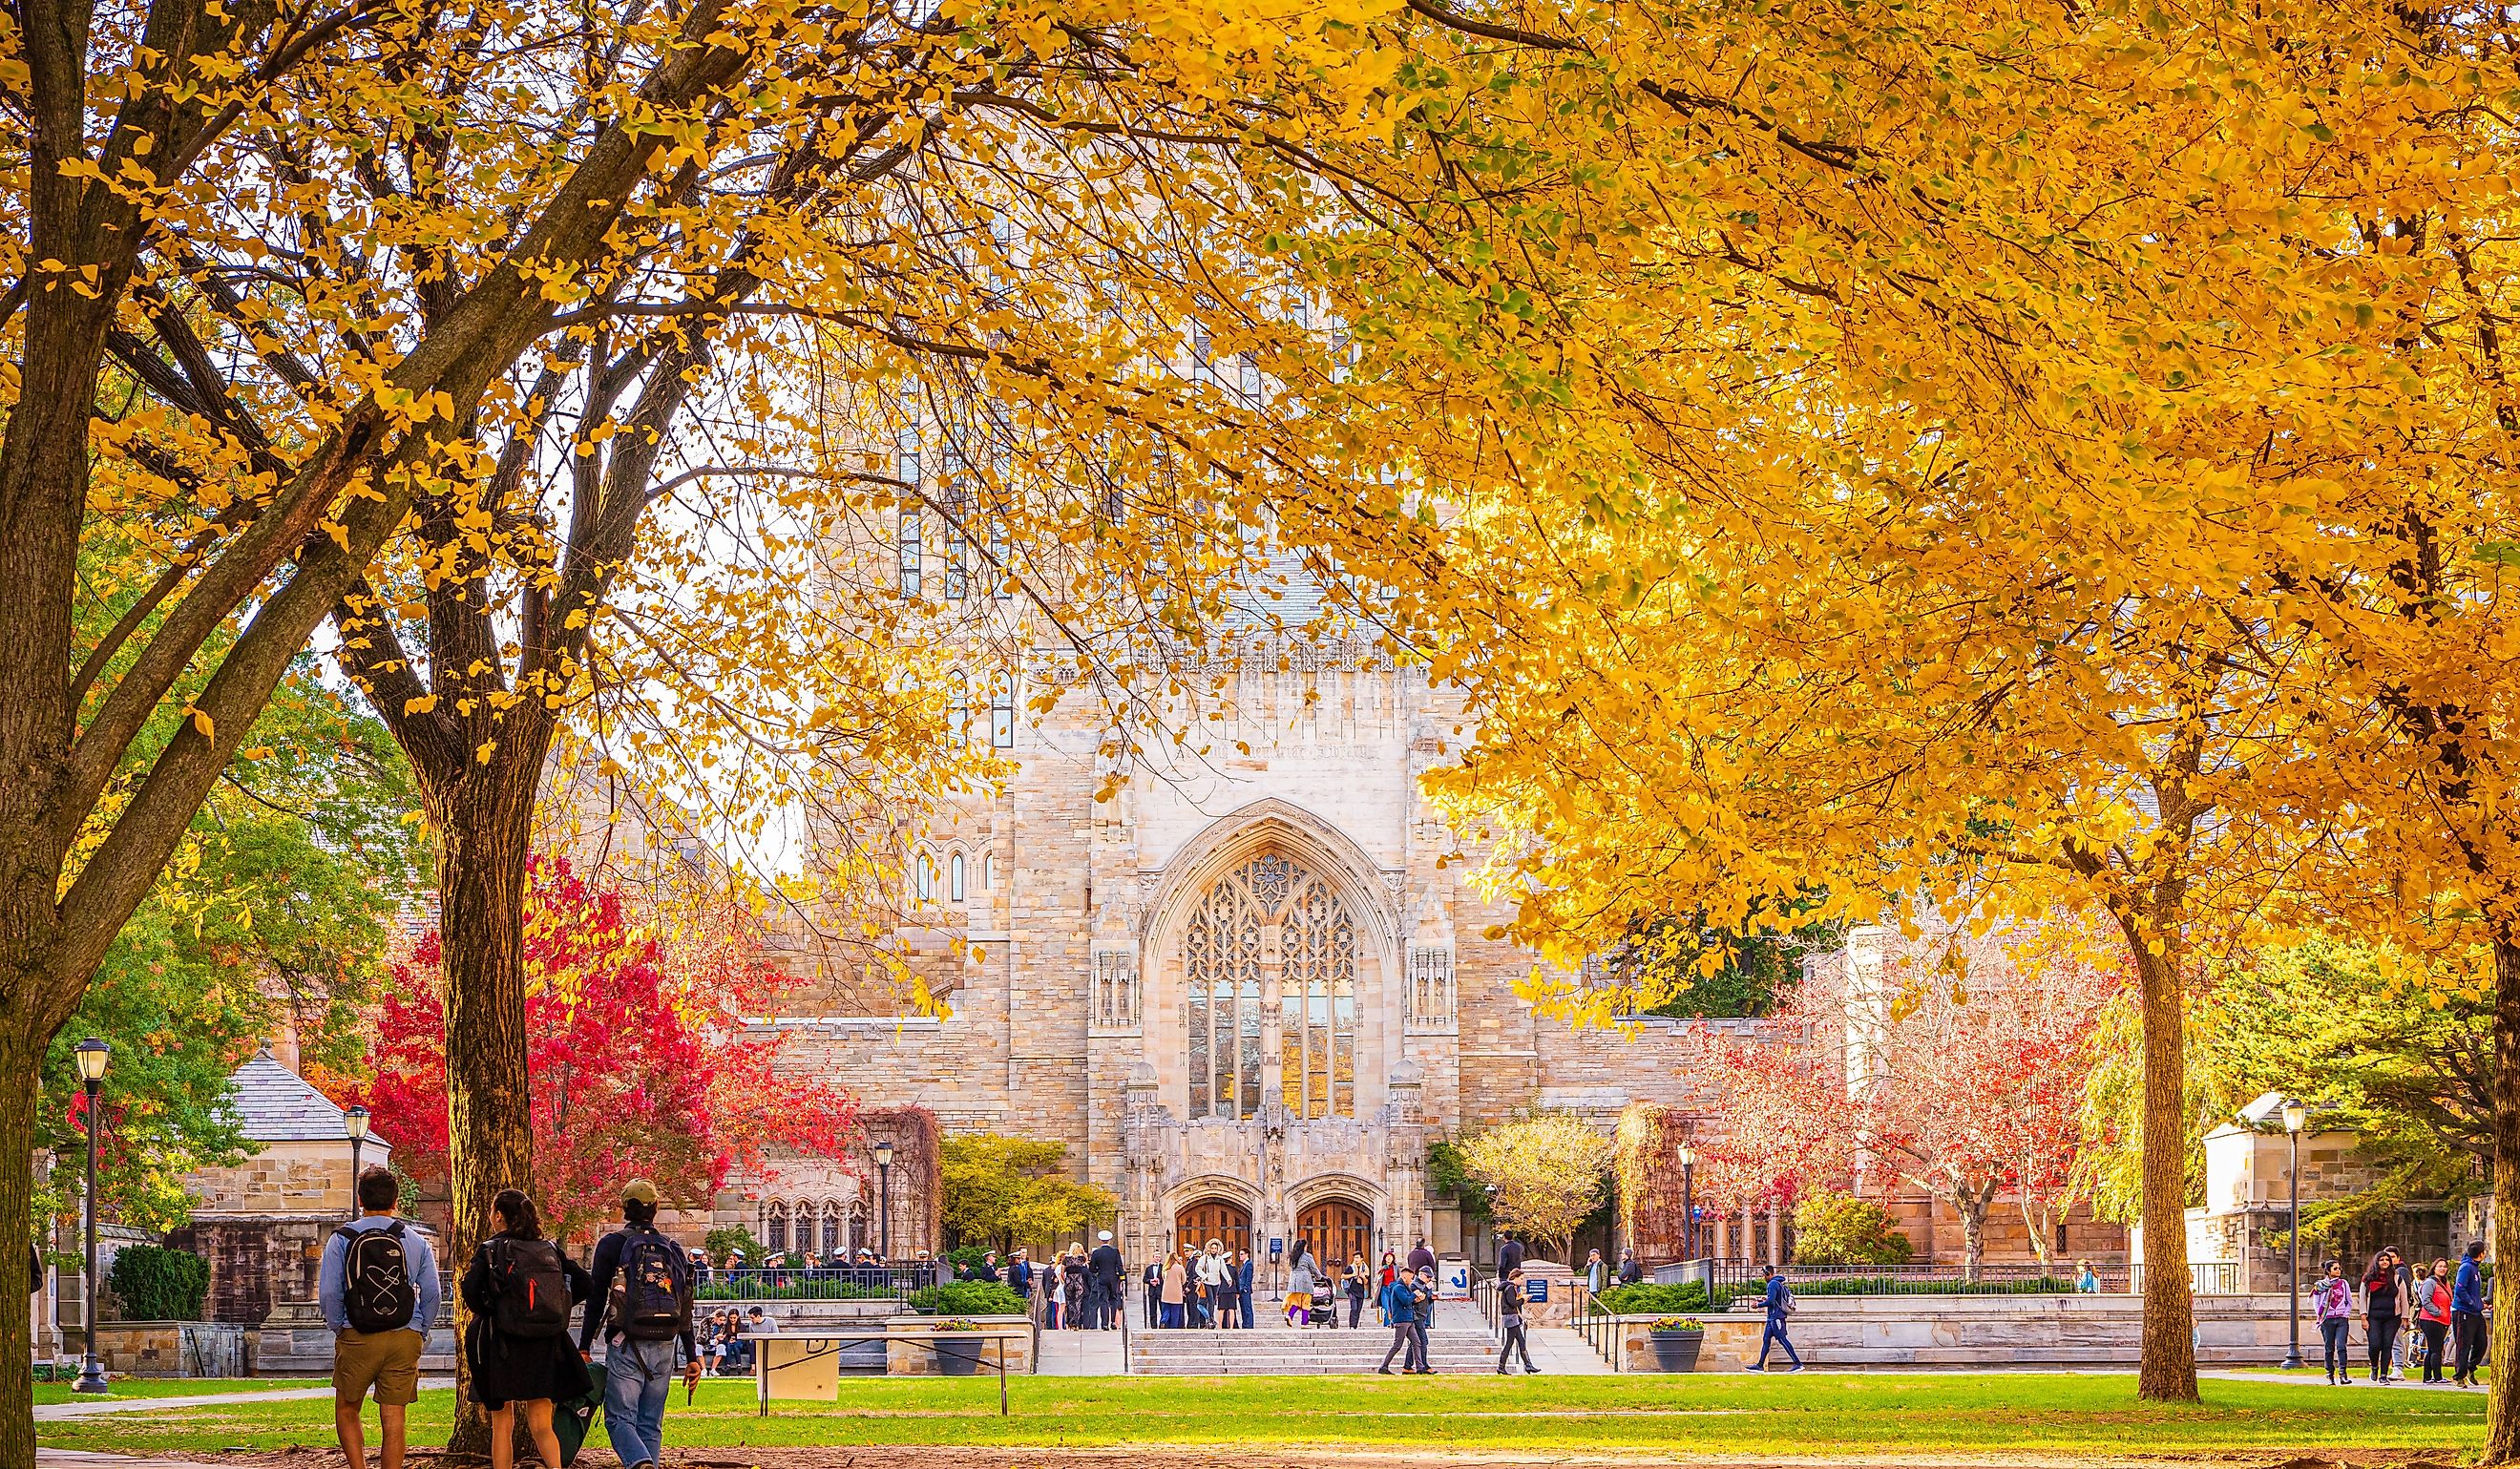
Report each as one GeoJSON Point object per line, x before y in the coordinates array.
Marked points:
{"type": "Point", "coordinates": [923, 878]}
{"type": "Point", "coordinates": [958, 711]}
{"type": "Point", "coordinates": [1002, 716]}
{"type": "Point", "coordinates": [989, 871]}
{"type": "Point", "coordinates": [955, 886]}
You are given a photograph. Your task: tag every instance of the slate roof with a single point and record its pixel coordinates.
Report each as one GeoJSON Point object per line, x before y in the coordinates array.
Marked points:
{"type": "Point", "coordinates": [275, 1104]}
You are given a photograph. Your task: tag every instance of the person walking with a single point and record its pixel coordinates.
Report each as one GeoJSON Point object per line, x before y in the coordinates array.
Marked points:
{"type": "Point", "coordinates": [2332, 1300]}
{"type": "Point", "coordinates": [1780, 1305]}
{"type": "Point", "coordinates": [377, 1286]}
{"type": "Point", "coordinates": [1509, 1303]}
{"type": "Point", "coordinates": [2432, 1319]}
{"type": "Point", "coordinates": [2466, 1315]}
{"type": "Point", "coordinates": [1358, 1287]}
{"type": "Point", "coordinates": [1509, 1254]}
{"type": "Point", "coordinates": [1246, 1268]}
{"type": "Point", "coordinates": [1216, 1274]}
{"type": "Point", "coordinates": [1175, 1280]}
{"type": "Point", "coordinates": [642, 1295]}
{"type": "Point", "coordinates": [2406, 1351]}
{"type": "Point", "coordinates": [520, 1287]}
{"type": "Point", "coordinates": [1420, 1258]}
{"type": "Point", "coordinates": [1300, 1282]}
{"type": "Point", "coordinates": [1103, 1274]}
{"type": "Point", "coordinates": [1422, 1325]}
{"type": "Point", "coordinates": [2088, 1280]}
{"type": "Point", "coordinates": [2380, 1314]}
{"type": "Point", "coordinates": [1390, 1273]}
{"type": "Point", "coordinates": [1399, 1313]}
{"type": "Point", "coordinates": [1632, 1270]}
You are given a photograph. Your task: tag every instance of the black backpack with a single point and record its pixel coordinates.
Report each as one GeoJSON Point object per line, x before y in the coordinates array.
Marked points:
{"type": "Point", "coordinates": [651, 1295]}
{"type": "Point", "coordinates": [533, 1287]}
{"type": "Point", "coordinates": [377, 1293]}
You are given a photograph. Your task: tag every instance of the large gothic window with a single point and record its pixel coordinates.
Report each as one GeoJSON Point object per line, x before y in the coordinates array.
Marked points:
{"type": "Point", "coordinates": [1271, 934]}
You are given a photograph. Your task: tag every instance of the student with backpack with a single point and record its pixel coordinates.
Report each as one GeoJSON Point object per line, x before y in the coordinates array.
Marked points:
{"type": "Point", "coordinates": [1779, 1304]}
{"type": "Point", "coordinates": [519, 1288]}
{"type": "Point", "coordinates": [378, 1289]}
{"type": "Point", "coordinates": [643, 1304]}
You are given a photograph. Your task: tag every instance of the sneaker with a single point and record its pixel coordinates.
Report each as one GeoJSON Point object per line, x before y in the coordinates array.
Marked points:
{"type": "Point", "coordinates": [1796, 1367]}
{"type": "Point", "coordinates": [1386, 1372]}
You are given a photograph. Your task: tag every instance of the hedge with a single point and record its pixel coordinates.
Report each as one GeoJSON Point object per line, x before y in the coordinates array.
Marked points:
{"type": "Point", "coordinates": [968, 1298]}
{"type": "Point", "coordinates": [158, 1284]}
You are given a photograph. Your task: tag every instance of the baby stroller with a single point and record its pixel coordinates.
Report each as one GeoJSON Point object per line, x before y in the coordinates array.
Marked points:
{"type": "Point", "coordinates": [1322, 1313]}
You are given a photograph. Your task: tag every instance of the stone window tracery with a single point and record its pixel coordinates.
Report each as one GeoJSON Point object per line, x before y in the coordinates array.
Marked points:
{"type": "Point", "coordinates": [1270, 932]}
{"type": "Point", "coordinates": [1430, 987]}
{"type": "Point", "coordinates": [1115, 990]}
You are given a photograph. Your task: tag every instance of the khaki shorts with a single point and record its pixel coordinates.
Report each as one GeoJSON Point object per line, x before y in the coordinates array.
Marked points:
{"type": "Point", "coordinates": [387, 1360]}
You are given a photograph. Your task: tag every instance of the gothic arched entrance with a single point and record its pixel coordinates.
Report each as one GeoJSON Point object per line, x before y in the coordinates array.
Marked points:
{"type": "Point", "coordinates": [1212, 1219]}
{"type": "Point", "coordinates": [1269, 974]}
{"type": "Point", "coordinates": [1337, 1229]}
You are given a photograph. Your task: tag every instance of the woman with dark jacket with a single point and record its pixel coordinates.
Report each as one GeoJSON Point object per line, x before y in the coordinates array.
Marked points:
{"type": "Point", "coordinates": [2380, 1314]}
{"type": "Point", "coordinates": [511, 1369]}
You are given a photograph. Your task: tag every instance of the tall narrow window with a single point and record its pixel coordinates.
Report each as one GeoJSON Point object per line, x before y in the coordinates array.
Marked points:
{"type": "Point", "coordinates": [956, 889]}
{"type": "Point", "coordinates": [773, 1228]}
{"type": "Point", "coordinates": [923, 878]}
{"type": "Point", "coordinates": [1002, 558]}
{"type": "Point", "coordinates": [958, 711]}
{"type": "Point", "coordinates": [957, 555]}
{"type": "Point", "coordinates": [989, 871]}
{"type": "Point", "coordinates": [1002, 716]}
{"type": "Point", "coordinates": [912, 560]}
{"type": "Point", "coordinates": [1202, 350]}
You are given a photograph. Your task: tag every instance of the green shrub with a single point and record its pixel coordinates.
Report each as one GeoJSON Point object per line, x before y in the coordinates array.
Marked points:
{"type": "Point", "coordinates": [721, 1243]}
{"type": "Point", "coordinates": [1648, 1299]}
{"type": "Point", "coordinates": [1831, 1228]}
{"type": "Point", "coordinates": [968, 1298]}
{"type": "Point", "coordinates": [159, 1284]}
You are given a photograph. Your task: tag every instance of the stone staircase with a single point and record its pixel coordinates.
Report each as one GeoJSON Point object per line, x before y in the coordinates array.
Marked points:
{"type": "Point", "coordinates": [1460, 1342]}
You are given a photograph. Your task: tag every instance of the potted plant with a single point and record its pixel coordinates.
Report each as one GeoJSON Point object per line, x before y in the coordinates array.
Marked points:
{"type": "Point", "coordinates": [958, 1358]}
{"type": "Point", "coordinates": [1675, 1341]}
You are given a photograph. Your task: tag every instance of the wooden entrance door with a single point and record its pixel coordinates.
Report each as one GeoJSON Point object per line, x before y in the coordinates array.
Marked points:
{"type": "Point", "coordinates": [1212, 1219]}
{"type": "Point", "coordinates": [1337, 1229]}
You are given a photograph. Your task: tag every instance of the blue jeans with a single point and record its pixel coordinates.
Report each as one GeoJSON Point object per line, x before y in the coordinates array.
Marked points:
{"type": "Point", "coordinates": [1776, 1332]}
{"type": "Point", "coordinates": [1245, 1298]}
{"type": "Point", "coordinates": [636, 1378]}
{"type": "Point", "coordinates": [1172, 1315]}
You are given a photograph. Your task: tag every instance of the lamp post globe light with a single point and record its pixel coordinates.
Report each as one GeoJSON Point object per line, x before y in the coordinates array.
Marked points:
{"type": "Point", "coordinates": [2295, 1117]}
{"type": "Point", "coordinates": [92, 1056]}
{"type": "Point", "coordinates": [354, 1123]}
{"type": "Point", "coordinates": [884, 1196]}
{"type": "Point", "coordinates": [1687, 1201]}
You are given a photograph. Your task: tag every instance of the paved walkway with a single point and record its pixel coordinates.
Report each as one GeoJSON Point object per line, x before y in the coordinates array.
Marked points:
{"type": "Point", "coordinates": [1080, 1353]}
{"type": "Point", "coordinates": [54, 1412]}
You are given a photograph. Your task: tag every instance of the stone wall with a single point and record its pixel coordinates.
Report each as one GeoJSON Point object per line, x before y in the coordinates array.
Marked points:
{"type": "Point", "coordinates": [1980, 1331]}
{"type": "Point", "coordinates": [911, 1359]}
{"type": "Point", "coordinates": [284, 1178]}
{"type": "Point", "coordinates": [173, 1349]}
{"type": "Point", "coordinates": [256, 1261]}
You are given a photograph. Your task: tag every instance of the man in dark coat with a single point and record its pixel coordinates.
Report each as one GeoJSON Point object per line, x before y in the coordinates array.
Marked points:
{"type": "Point", "coordinates": [1103, 1274]}
{"type": "Point", "coordinates": [1509, 1254]}
{"type": "Point", "coordinates": [1420, 1258]}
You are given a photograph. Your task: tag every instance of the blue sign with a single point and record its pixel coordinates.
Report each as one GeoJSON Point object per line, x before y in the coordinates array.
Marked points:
{"type": "Point", "coordinates": [1535, 1289]}
{"type": "Point", "coordinates": [1277, 1244]}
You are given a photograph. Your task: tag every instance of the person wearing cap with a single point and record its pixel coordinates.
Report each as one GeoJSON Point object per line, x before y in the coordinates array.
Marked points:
{"type": "Point", "coordinates": [1103, 1283]}
{"type": "Point", "coordinates": [639, 1373]}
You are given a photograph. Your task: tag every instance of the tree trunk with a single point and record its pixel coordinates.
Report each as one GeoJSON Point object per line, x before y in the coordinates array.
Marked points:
{"type": "Point", "coordinates": [2169, 1368]}
{"type": "Point", "coordinates": [2503, 1356]}
{"type": "Point", "coordinates": [16, 1223]}
{"type": "Point", "coordinates": [483, 817]}
{"type": "Point", "coordinates": [1971, 1205]}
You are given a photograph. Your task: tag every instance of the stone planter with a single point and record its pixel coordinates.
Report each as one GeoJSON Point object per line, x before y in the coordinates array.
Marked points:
{"type": "Point", "coordinates": [1675, 1351]}
{"type": "Point", "coordinates": [958, 1353]}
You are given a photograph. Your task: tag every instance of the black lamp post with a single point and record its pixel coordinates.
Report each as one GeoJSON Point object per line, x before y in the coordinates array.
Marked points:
{"type": "Point", "coordinates": [2295, 1116]}
{"type": "Point", "coordinates": [883, 1195]}
{"type": "Point", "coordinates": [1688, 1202]}
{"type": "Point", "coordinates": [92, 1056]}
{"type": "Point", "coordinates": [354, 1122]}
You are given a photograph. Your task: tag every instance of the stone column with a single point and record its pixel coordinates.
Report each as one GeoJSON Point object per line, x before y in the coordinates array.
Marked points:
{"type": "Point", "coordinates": [1776, 1237]}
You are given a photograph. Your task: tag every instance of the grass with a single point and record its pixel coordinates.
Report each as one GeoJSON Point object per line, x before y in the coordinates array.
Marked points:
{"type": "Point", "coordinates": [172, 1387]}
{"type": "Point", "coordinates": [1814, 1413]}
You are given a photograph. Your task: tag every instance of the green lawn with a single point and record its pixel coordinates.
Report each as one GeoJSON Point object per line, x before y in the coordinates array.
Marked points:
{"type": "Point", "coordinates": [173, 1387]}
{"type": "Point", "coordinates": [1809, 1414]}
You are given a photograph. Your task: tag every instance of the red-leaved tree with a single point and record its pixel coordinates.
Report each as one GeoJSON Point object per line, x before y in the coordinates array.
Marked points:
{"type": "Point", "coordinates": [1957, 1065]}
{"type": "Point", "coordinates": [640, 1062]}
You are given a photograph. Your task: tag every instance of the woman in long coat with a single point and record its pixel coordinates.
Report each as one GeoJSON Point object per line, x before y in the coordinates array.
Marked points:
{"type": "Point", "coordinates": [510, 1372]}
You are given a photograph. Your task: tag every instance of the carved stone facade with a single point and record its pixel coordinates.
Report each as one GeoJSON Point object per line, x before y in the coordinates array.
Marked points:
{"type": "Point", "coordinates": [1249, 983]}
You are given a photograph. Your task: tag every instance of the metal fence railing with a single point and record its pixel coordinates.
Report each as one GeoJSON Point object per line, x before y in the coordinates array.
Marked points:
{"type": "Point", "coordinates": [830, 1282]}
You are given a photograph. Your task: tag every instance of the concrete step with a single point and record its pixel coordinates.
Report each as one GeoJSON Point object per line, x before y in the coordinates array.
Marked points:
{"type": "Point", "coordinates": [1305, 1353]}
